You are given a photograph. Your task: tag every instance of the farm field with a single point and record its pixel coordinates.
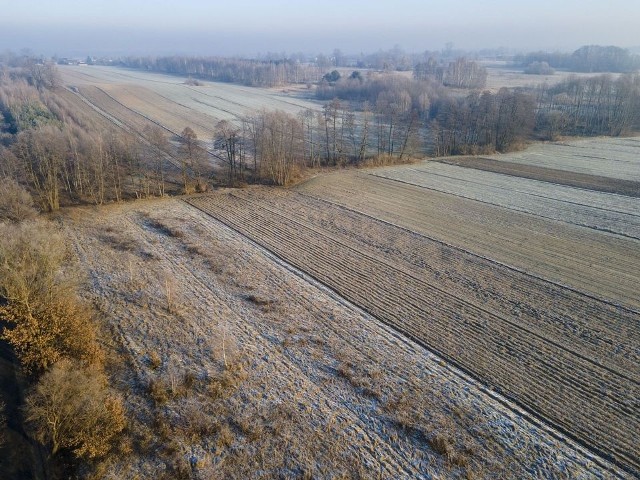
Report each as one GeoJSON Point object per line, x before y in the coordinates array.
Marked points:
{"type": "Point", "coordinates": [327, 389]}
{"type": "Point", "coordinates": [473, 316]}
{"type": "Point", "coordinates": [522, 336]}
{"type": "Point", "coordinates": [168, 101]}
{"type": "Point", "coordinates": [502, 74]}
{"type": "Point", "coordinates": [607, 157]}
{"type": "Point", "coordinates": [587, 260]}
{"type": "Point", "coordinates": [601, 211]}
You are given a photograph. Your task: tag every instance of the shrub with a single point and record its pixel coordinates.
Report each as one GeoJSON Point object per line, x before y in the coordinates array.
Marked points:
{"type": "Point", "coordinates": [16, 204]}
{"type": "Point", "coordinates": [539, 68]}
{"type": "Point", "coordinates": [158, 391]}
{"type": "Point", "coordinates": [46, 333]}
{"type": "Point", "coordinates": [155, 361]}
{"type": "Point", "coordinates": [71, 407]}
{"type": "Point", "coordinates": [31, 260]}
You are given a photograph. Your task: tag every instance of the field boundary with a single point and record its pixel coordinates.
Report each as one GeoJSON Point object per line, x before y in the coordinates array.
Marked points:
{"type": "Point", "coordinates": [544, 174]}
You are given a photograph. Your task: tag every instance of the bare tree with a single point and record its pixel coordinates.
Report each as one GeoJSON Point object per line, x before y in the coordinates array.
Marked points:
{"type": "Point", "coordinates": [43, 74]}
{"type": "Point", "coordinates": [31, 258]}
{"type": "Point", "coordinates": [189, 144]}
{"type": "Point", "coordinates": [364, 138]}
{"type": "Point", "coordinates": [228, 139]}
{"type": "Point", "coordinates": [156, 137]}
{"type": "Point", "coordinates": [42, 153]}
{"type": "Point", "coordinates": [48, 332]}
{"type": "Point", "coordinates": [463, 73]}
{"type": "Point", "coordinates": [281, 144]}
{"type": "Point", "coordinates": [330, 116]}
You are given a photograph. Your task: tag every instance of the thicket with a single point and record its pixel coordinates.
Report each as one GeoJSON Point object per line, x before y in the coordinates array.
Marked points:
{"type": "Point", "coordinates": [599, 105]}
{"type": "Point", "coordinates": [420, 115]}
{"type": "Point", "coordinates": [444, 122]}
{"type": "Point", "coordinates": [66, 157]}
{"type": "Point", "coordinates": [482, 123]}
{"type": "Point", "coordinates": [69, 406]}
{"type": "Point", "coordinates": [539, 68]}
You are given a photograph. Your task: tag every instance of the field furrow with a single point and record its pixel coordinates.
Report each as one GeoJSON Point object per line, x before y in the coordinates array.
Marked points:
{"type": "Point", "coordinates": [594, 262]}
{"type": "Point", "coordinates": [171, 114]}
{"type": "Point", "coordinates": [218, 101]}
{"type": "Point", "coordinates": [547, 378]}
{"type": "Point", "coordinates": [607, 157]}
{"type": "Point", "coordinates": [543, 308]}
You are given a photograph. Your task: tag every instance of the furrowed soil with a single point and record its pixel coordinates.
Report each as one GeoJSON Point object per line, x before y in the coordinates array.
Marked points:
{"type": "Point", "coordinates": [471, 318]}
{"type": "Point", "coordinates": [138, 97]}
{"type": "Point", "coordinates": [566, 357]}
{"type": "Point", "coordinates": [596, 263]}
{"type": "Point", "coordinates": [271, 283]}
{"type": "Point", "coordinates": [610, 157]}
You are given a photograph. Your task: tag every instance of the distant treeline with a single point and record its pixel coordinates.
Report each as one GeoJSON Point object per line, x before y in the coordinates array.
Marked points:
{"type": "Point", "coordinates": [590, 59]}
{"type": "Point", "coordinates": [597, 105]}
{"type": "Point", "coordinates": [427, 117]}
{"type": "Point", "coordinates": [255, 73]}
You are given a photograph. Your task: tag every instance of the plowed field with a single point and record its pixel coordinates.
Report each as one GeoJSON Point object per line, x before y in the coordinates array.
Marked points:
{"type": "Point", "coordinates": [568, 358]}
{"type": "Point", "coordinates": [606, 157]}
{"type": "Point", "coordinates": [168, 101]}
{"type": "Point", "coordinates": [593, 262]}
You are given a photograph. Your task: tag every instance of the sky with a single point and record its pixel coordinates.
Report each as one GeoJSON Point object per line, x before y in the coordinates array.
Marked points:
{"type": "Point", "coordinates": [252, 27]}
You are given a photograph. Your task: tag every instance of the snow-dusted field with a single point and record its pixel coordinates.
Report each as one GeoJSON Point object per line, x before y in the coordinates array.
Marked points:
{"type": "Point", "coordinates": [607, 157]}
{"type": "Point", "coordinates": [220, 101]}
{"type": "Point", "coordinates": [598, 210]}
{"type": "Point", "coordinates": [326, 388]}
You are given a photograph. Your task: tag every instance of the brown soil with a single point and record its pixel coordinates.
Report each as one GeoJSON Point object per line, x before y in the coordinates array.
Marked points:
{"type": "Point", "coordinates": [596, 263]}
{"type": "Point", "coordinates": [561, 177]}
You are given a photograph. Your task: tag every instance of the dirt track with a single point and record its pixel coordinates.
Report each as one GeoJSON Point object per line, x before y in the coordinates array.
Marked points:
{"type": "Point", "coordinates": [566, 357]}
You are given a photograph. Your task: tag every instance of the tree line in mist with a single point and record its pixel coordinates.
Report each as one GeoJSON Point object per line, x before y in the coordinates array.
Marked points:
{"type": "Point", "coordinates": [589, 59]}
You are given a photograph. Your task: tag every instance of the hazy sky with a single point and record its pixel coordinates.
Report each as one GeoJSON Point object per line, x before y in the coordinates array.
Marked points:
{"type": "Point", "coordinates": [82, 27]}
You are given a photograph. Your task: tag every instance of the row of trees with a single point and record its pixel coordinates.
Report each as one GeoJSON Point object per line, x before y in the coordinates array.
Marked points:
{"type": "Point", "coordinates": [449, 123]}
{"type": "Point", "coordinates": [58, 149]}
{"type": "Point", "coordinates": [599, 105]}
{"type": "Point", "coordinates": [482, 123]}
{"type": "Point", "coordinates": [256, 73]}
{"type": "Point", "coordinates": [281, 70]}
{"type": "Point", "coordinates": [396, 117]}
